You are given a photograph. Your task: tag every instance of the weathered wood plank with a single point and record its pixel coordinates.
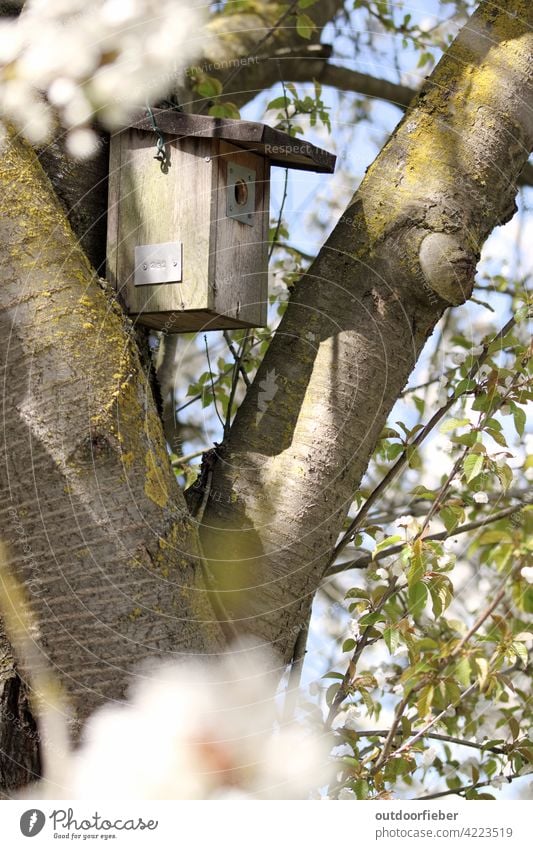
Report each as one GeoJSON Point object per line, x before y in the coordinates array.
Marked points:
{"type": "Point", "coordinates": [241, 274]}
{"type": "Point", "coordinates": [157, 207]}
{"type": "Point", "coordinates": [280, 148]}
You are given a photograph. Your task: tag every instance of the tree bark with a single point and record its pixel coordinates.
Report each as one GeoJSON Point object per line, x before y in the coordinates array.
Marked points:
{"type": "Point", "coordinates": [97, 528]}
{"type": "Point", "coordinates": [405, 250]}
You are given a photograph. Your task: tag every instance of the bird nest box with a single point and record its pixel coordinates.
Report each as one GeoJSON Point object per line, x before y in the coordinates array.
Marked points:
{"type": "Point", "coordinates": [187, 237]}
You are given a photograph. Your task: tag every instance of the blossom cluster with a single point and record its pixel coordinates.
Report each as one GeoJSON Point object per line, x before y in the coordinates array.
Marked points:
{"type": "Point", "coordinates": [68, 61]}
{"type": "Point", "coordinates": [200, 729]}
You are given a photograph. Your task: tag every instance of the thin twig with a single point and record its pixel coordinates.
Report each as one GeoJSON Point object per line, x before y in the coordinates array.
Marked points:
{"type": "Point", "coordinates": [366, 556]}
{"type": "Point", "coordinates": [444, 738]}
{"type": "Point", "coordinates": [362, 641]}
{"type": "Point", "coordinates": [235, 380]}
{"type": "Point", "coordinates": [262, 41]}
{"type": "Point", "coordinates": [212, 383]}
{"type": "Point", "coordinates": [459, 790]}
{"type": "Point", "coordinates": [393, 472]}
{"type": "Point", "coordinates": [182, 461]}
{"type": "Point", "coordinates": [480, 620]}
{"type": "Point", "coordinates": [237, 356]}
{"type": "Point", "coordinates": [458, 463]}
{"type": "Point", "coordinates": [295, 674]}
{"type": "Point", "coordinates": [286, 177]}
{"type": "Point", "coordinates": [444, 662]}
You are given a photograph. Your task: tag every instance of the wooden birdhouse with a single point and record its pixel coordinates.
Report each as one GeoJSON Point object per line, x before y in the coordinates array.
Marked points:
{"type": "Point", "coordinates": [188, 222]}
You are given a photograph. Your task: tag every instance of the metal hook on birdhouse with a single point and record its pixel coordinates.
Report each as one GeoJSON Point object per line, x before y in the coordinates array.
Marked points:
{"type": "Point", "coordinates": [161, 155]}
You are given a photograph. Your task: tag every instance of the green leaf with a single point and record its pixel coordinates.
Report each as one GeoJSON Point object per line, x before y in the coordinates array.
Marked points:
{"type": "Point", "coordinates": [464, 385]}
{"type": "Point", "coordinates": [468, 439]}
{"type": "Point", "coordinates": [505, 476]}
{"type": "Point", "coordinates": [392, 639]}
{"type": "Point", "coordinates": [224, 110]}
{"type": "Point", "coordinates": [514, 725]}
{"type": "Point", "coordinates": [472, 466]}
{"type": "Point", "coordinates": [453, 693]}
{"type": "Point", "coordinates": [425, 700]}
{"type": "Point", "coordinates": [361, 788]}
{"type": "Point", "coordinates": [386, 543]}
{"type": "Point", "coordinates": [462, 671]}
{"type": "Point", "coordinates": [278, 103]}
{"type": "Point", "coordinates": [449, 517]}
{"type": "Point", "coordinates": [417, 598]}
{"type": "Point", "coordinates": [209, 87]}
{"type": "Point", "coordinates": [519, 417]}
{"type": "Point", "coordinates": [331, 692]}
{"type": "Point", "coordinates": [451, 424]}
{"type": "Point", "coordinates": [357, 592]}
{"type": "Point", "coordinates": [371, 619]}
{"type": "Point", "coordinates": [441, 591]}
{"type": "Point", "coordinates": [493, 537]}
{"type": "Point", "coordinates": [496, 436]}
{"type": "Point", "coordinates": [348, 645]}
{"type": "Point", "coordinates": [305, 27]}
{"type": "Point", "coordinates": [412, 454]}
{"type": "Point", "coordinates": [417, 568]}
{"type": "Point", "coordinates": [521, 652]}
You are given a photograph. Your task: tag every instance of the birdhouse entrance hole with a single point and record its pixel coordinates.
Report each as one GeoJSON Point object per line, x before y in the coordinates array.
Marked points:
{"type": "Point", "coordinates": [241, 193]}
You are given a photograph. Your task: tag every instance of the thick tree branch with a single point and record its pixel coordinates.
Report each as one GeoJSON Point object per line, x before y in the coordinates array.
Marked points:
{"type": "Point", "coordinates": [96, 526]}
{"type": "Point", "coordinates": [405, 249]}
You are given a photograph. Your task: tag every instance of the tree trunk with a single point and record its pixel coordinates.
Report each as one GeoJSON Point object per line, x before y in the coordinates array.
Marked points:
{"type": "Point", "coordinates": [95, 523]}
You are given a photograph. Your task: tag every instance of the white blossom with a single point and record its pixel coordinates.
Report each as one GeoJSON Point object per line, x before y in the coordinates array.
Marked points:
{"type": "Point", "coordinates": [346, 794]}
{"type": "Point", "coordinates": [350, 717]}
{"type": "Point", "coordinates": [527, 573]}
{"type": "Point", "coordinates": [71, 61]}
{"type": "Point", "coordinates": [82, 143]}
{"type": "Point", "coordinates": [197, 730]}
{"type": "Point", "coordinates": [489, 716]}
{"type": "Point", "coordinates": [354, 629]}
{"type": "Point", "coordinates": [429, 756]}
{"type": "Point", "coordinates": [410, 524]}
{"type": "Point", "coordinates": [481, 497]}
{"type": "Point", "coordinates": [381, 678]}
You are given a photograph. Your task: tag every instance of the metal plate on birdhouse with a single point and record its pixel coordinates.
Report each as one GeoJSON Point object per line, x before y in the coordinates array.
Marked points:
{"type": "Point", "coordinates": [158, 263]}
{"type": "Point", "coordinates": [240, 193]}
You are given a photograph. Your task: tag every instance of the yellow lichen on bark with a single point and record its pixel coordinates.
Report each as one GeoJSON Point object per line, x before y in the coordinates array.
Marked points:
{"type": "Point", "coordinates": [465, 100]}
{"type": "Point", "coordinates": [155, 487]}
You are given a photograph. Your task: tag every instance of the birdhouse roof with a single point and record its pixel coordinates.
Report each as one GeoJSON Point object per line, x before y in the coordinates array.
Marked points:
{"type": "Point", "coordinates": [278, 147]}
